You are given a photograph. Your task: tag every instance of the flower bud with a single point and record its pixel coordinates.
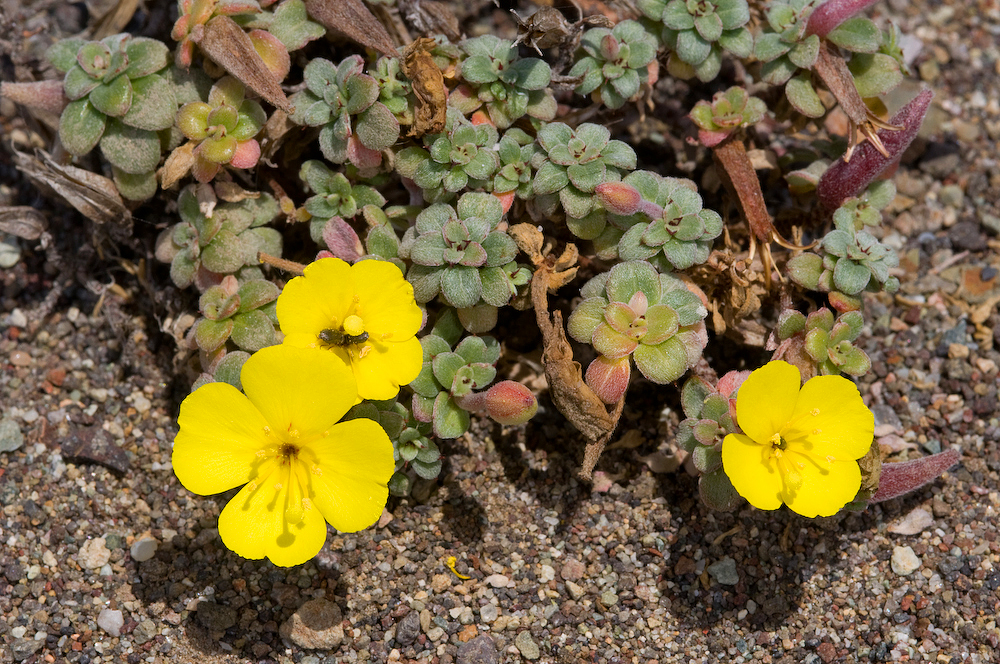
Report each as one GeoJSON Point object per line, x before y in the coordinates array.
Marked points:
{"type": "Point", "coordinates": [510, 403]}
{"type": "Point", "coordinates": [618, 197]}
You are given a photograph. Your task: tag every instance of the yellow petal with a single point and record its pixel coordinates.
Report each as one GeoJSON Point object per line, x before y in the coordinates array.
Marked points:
{"type": "Point", "coordinates": [766, 399]}
{"type": "Point", "coordinates": [319, 299]}
{"type": "Point", "coordinates": [385, 300]}
{"type": "Point", "coordinates": [823, 491]}
{"type": "Point", "coordinates": [254, 523]}
{"type": "Point", "coordinates": [386, 366]}
{"type": "Point", "coordinates": [355, 463]}
{"type": "Point", "coordinates": [830, 420]}
{"type": "Point", "coordinates": [220, 434]}
{"type": "Point", "coordinates": [298, 389]}
{"type": "Point", "coordinates": [754, 475]}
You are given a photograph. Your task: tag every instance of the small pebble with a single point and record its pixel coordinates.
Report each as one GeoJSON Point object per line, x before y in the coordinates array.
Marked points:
{"type": "Point", "coordinates": [143, 549]}
{"type": "Point", "coordinates": [111, 621]}
{"type": "Point", "coordinates": [527, 646]}
{"type": "Point", "coordinates": [11, 437]}
{"type": "Point", "coordinates": [724, 571]}
{"type": "Point", "coordinates": [497, 580]}
{"type": "Point", "coordinates": [904, 561]}
{"type": "Point", "coordinates": [93, 554]}
{"type": "Point", "coordinates": [489, 613]}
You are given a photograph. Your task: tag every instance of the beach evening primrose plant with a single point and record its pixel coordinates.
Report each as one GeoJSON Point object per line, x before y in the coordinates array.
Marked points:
{"type": "Point", "coordinates": [364, 314]}
{"type": "Point", "coordinates": [281, 440]}
{"type": "Point", "coordinates": [799, 446]}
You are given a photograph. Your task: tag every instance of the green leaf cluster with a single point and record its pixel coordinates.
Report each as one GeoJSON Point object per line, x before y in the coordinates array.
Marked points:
{"type": "Point", "coordinates": [460, 253]}
{"type": "Point", "coordinates": [569, 166]}
{"type": "Point", "coordinates": [508, 87]}
{"type": "Point", "coordinates": [681, 236]}
{"type": "Point", "coordinates": [118, 99]}
{"type": "Point", "coordinates": [709, 419]}
{"type": "Point", "coordinates": [217, 240]}
{"type": "Point", "coordinates": [698, 31]}
{"type": "Point", "coordinates": [448, 375]}
{"type": "Point", "coordinates": [243, 312]}
{"type": "Point", "coordinates": [344, 102]}
{"type": "Point", "coordinates": [728, 111]}
{"type": "Point", "coordinates": [828, 343]}
{"type": "Point", "coordinates": [634, 310]}
{"type": "Point", "coordinates": [335, 196]}
{"type": "Point", "coordinates": [461, 157]}
{"type": "Point", "coordinates": [615, 63]}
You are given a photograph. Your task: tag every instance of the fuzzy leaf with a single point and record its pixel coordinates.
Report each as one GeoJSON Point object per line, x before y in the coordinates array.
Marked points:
{"type": "Point", "coordinates": [450, 421]}
{"type": "Point", "coordinates": [153, 104]}
{"type": "Point", "coordinates": [81, 127]}
{"type": "Point", "coordinates": [132, 150]}
{"type": "Point", "coordinates": [253, 330]}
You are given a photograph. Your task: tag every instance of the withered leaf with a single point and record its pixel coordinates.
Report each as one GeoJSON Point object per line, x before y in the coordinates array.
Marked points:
{"type": "Point", "coordinates": [115, 20]}
{"type": "Point", "coordinates": [23, 221]}
{"type": "Point", "coordinates": [355, 21]}
{"type": "Point", "coordinates": [177, 164]}
{"type": "Point", "coordinates": [95, 196]}
{"type": "Point", "coordinates": [428, 86]}
{"type": "Point", "coordinates": [429, 17]}
{"type": "Point", "coordinates": [227, 44]}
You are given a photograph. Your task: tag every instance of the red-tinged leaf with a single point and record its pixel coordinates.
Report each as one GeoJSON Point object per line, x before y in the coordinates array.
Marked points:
{"type": "Point", "coordinates": [506, 199]}
{"type": "Point", "coordinates": [342, 240]}
{"type": "Point", "coordinates": [609, 378]}
{"type": "Point", "coordinates": [246, 155]}
{"type": "Point", "coordinates": [273, 52]}
{"type": "Point", "coordinates": [901, 478]}
{"type": "Point", "coordinates": [361, 156]}
{"type": "Point", "coordinates": [846, 179]}
{"type": "Point", "coordinates": [354, 20]}
{"type": "Point", "coordinates": [832, 13]}
{"type": "Point", "coordinates": [42, 95]}
{"type": "Point", "coordinates": [224, 41]}
{"type": "Point", "coordinates": [740, 179]}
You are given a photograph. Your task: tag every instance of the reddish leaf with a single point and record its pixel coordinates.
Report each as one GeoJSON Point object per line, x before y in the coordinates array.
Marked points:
{"type": "Point", "coordinates": [901, 478]}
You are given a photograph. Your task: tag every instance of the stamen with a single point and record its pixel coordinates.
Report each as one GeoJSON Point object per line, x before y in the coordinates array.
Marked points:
{"type": "Point", "coordinates": [817, 432]}
{"type": "Point", "coordinates": [316, 470]}
{"type": "Point", "coordinates": [814, 412]}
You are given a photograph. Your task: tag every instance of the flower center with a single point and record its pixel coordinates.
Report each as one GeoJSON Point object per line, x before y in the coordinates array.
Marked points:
{"type": "Point", "coordinates": [286, 468]}
{"type": "Point", "coordinates": [351, 333]}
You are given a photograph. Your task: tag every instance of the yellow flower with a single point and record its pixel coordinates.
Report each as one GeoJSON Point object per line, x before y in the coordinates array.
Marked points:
{"type": "Point", "coordinates": [799, 447]}
{"type": "Point", "coordinates": [301, 469]}
{"type": "Point", "coordinates": [364, 313]}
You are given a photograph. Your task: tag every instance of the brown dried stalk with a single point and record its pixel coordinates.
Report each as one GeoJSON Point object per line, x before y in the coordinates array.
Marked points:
{"type": "Point", "coordinates": [355, 21]}
{"type": "Point", "coordinates": [569, 392]}
{"type": "Point", "coordinates": [838, 79]}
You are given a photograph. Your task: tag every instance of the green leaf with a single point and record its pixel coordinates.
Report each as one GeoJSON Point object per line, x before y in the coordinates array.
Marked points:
{"type": "Point", "coordinates": [292, 27]}
{"type": "Point", "coordinates": [851, 277]}
{"type": "Point", "coordinates": [693, 396]}
{"type": "Point", "coordinates": [803, 97]}
{"type": "Point", "coordinates": [210, 334]}
{"type": "Point", "coordinates": [377, 128]}
{"type": "Point", "coordinates": [134, 187]}
{"type": "Point", "coordinates": [113, 98]}
{"type": "Point", "coordinates": [461, 286]}
{"type": "Point", "coordinates": [875, 74]}
{"type": "Point", "coordinates": [450, 421]}
{"type": "Point", "coordinates": [145, 56]}
{"type": "Point", "coordinates": [663, 363]}
{"type": "Point", "coordinates": [132, 150]}
{"type": "Point", "coordinates": [81, 127]}
{"type": "Point", "coordinates": [529, 73]}
{"type": "Point", "coordinates": [154, 105]}
{"type": "Point", "coordinates": [62, 54]}
{"type": "Point", "coordinates": [253, 330]}
{"type": "Point", "coordinates": [229, 368]}
{"type": "Point", "coordinates": [586, 177]}
{"type": "Point", "coordinates": [550, 178]}
{"type": "Point", "coordinates": [858, 34]}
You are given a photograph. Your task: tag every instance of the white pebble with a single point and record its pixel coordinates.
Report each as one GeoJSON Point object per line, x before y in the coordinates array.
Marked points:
{"type": "Point", "coordinates": [143, 549]}
{"type": "Point", "coordinates": [497, 580]}
{"type": "Point", "coordinates": [111, 621]}
{"type": "Point", "coordinates": [904, 561]}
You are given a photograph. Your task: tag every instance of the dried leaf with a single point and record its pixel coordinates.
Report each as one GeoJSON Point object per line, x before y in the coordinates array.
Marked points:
{"type": "Point", "coordinates": [355, 21]}
{"type": "Point", "coordinates": [115, 20]}
{"type": "Point", "coordinates": [571, 395]}
{"type": "Point", "coordinates": [23, 221]}
{"type": "Point", "coordinates": [223, 40]}
{"type": "Point", "coordinates": [231, 192]}
{"type": "Point", "coordinates": [177, 165]}
{"type": "Point", "coordinates": [429, 18]}
{"type": "Point", "coordinates": [275, 129]}
{"type": "Point", "coordinates": [428, 86]}
{"type": "Point", "coordinates": [95, 196]}
{"type": "Point", "coordinates": [739, 177]}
